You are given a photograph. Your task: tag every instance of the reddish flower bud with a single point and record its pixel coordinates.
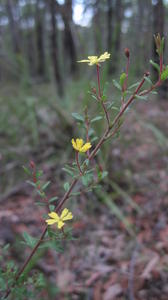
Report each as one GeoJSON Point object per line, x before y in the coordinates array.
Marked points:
{"type": "Point", "coordinates": [127, 52]}
{"type": "Point", "coordinates": [32, 164]}
{"type": "Point", "coordinates": [94, 91]}
{"type": "Point", "coordinates": [147, 73]}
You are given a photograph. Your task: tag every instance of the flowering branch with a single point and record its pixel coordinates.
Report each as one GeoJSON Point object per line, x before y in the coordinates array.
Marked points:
{"type": "Point", "coordinates": [80, 147]}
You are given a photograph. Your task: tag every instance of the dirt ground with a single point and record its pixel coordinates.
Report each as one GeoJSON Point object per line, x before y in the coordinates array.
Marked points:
{"type": "Point", "coordinates": [105, 262]}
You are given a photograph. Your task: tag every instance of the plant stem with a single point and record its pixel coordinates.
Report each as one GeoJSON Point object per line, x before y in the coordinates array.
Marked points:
{"type": "Point", "coordinates": [98, 80]}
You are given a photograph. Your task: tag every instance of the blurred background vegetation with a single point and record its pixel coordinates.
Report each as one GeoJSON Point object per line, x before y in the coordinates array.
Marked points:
{"type": "Point", "coordinates": [41, 83]}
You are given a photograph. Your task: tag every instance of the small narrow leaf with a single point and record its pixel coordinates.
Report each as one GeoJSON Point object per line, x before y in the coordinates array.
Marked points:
{"type": "Point", "coordinates": [31, 183]}
{"type": "Point", "coordinates": [148, 80]}
{"type": "Point", "coordinates": [66, 186]}
{"type": "Point", "coordinates": [68, 171]}
{"type": "Point", "coordinates": [30, 241]}
{"type": "Point", "coordinates": [53, 199]}
{"type": "Point", "coordinates": [122, 79]}
{"type": "Point", "coordinates": [116, 84]}
{"type": "Point", "coordinates": [133, 85]}
{"type": "Point", "coordinates": [141, 97]}
{"type": "Point", "coordinates": [46, 185]}
{"type": "Point", "coordinates": [78, 117]}
{"type": "Point", "coordinates": [52, 207]}
{"type": "Point", "coordinates": [96, 119]}
{"type": "Point", "coordinates": [155, 65]}
{"type": "Point", "coordinates": [27, 171]}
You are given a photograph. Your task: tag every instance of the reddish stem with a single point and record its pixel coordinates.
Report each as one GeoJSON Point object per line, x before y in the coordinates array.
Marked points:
{"type": "Point", "coordinates": [127, 70]}
{"type": "Point", "coordinates": [98, 80]}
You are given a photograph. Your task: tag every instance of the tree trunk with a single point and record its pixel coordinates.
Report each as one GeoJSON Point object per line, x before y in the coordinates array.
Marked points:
{"type": "Point", "coordinates": [110, 29]}
{"type": "Point", "coordinates": [158, 26]}
{"type": "Point", "coordinates": [69, 42]}
{"type": "Point", "coordinates": [117, 32]}
{"type": "Point", "coordinates": [13, 27]}
{"type": "Point", "coordinates": [97, 27]}
{"type": "Point", "coordinates": [54, 48]}
{"type": "Point", "coordinates": [40, 40]}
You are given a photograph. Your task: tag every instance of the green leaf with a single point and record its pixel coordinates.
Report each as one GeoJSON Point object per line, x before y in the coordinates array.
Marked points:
{"type": "Point", "coordinates": [30, 241]}
{"type": "Point", "coordinates": [104, 174]}
{"type": "Point", "coordinates": [133, 85]}
{"type": "Point", "coordinates": [42, 194]}
{"type": "Point", "coordinates": [115, 108]}
{"type": "Point", "coordinates": [91, 131]}
{"type": "Point", "coordinates": [104, 98]}
{"type": "Point", "coordinates": [96, 119]}
{"type": "Point", "coordinates": [116, 84]}
{"type": "Point", "coordinates": [86, 179]}
{"type": "Point", "coordinates": [78, 117]}
{"type": "Point", "coordinates": [66, 186]}
{"type": "Point", "coordinates": [39, 173]}
{"type": "Point", "coordinates": [27, 171]}
{"type": "Point", "coordinates": [87, 161]}
{"type": "Point", "coordinates": [94, 97]}
{"type": "Point", "coordinates": [148, 80]}
{"type": "Point", "coordinates": [53, 199]}
{"type": "Point", "coordinates": [164, 74]}
{"type": "Point", "coordinates": [52, 207]}
{"type": "Point", "coordinates": [122, 79]}
{"type": "Point", "coordinates": [68, 171]}
{"type": "Point", "coordinates": [155, 65]}
{"type": "Point", "coordinates": [31, 183]}
{"type": "Point", "coordinates": [141, 97]}
{"type": "Point", "coordinates": [46, 185]}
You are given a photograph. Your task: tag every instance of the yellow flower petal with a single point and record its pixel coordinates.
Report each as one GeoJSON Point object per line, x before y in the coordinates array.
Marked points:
{"type": "Point", "coordinates": [60, 224]}
{"type": "Point", "coordinates": [83, 60]}
{"type": "Point", "coordinates": [74, 144]}
{"type": "Point", "coordinates": [79, 143]}
{"type": "Point", "coordinates": [104, 56]}
{"type": "Point", "coordinates": [64, 213]}
{"type": "Point", "coordinates": [69, 216]}
{"type": "Point", "coordinates": [54, 216]}
{"type": "Point", "coordinates": [86, 147]}
{"type": "Point", "coordinates": [51, 221]}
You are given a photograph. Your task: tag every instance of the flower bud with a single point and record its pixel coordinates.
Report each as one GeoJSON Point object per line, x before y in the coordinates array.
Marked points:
{"type": "Point", "coordinates": [32, 164]}
{"type": "Point", "coordinates": [146, 74]}
{"type": "Point", "coordinates": [94, 91]}
{"type": "Point", "coordinates": [127, 52]}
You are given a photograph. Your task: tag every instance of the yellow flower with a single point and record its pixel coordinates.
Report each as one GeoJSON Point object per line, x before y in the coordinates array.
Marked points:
{"type": "Point", "coordinates": [55, 218]}
{"type": "Point", "coordinates": [79, 145]}
{"type": "Point", "coordinates": [95, 60]}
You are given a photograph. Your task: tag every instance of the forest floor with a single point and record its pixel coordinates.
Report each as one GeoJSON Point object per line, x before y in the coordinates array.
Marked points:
{"type": "Point", "coordinates": [105, 262]}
